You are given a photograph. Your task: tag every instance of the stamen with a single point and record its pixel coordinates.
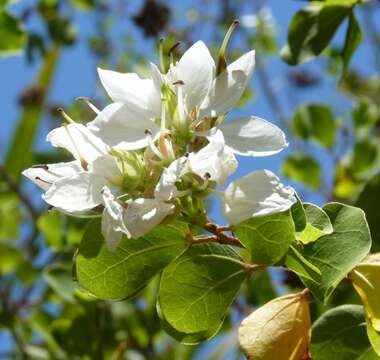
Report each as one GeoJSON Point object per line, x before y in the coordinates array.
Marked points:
{"type": "Point", "coordinates": [180, 106]}
{"type": "Point", "coordinates": [65, 116]}
{"type": "Point", "coordinates": [174, 47]}
{"type": "Point", "coordinates": [89, 103]}
{"type": "Point", "coordinates": [222, 63]}
{"type": "Point", "coordinates": [152, 145]}
{"type": "Point", "coordinates": [179, 82]}
{"type": "Point", "coordinates": [171, 52]}
{"type": "Point", "coordinates": [42, 180]}
{"type": "Point", "coordinates": [163, 115]}
{"type": "Point", "coordinates": [40, 166]}
{"type": "Point", "coordinates": [161, 55]}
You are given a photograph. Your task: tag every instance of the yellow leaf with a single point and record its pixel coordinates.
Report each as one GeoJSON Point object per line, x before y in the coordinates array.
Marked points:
{"type": "Point", "coordinates": [366, 280]}
{"type": "Point", "coordinates": [280, 329]}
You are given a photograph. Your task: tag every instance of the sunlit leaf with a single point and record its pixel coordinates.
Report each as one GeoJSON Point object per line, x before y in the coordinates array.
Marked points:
{"type": "Point", "coordinates": [197, 290]}
{"type": "Point", "coordinates": [340, 334]}
{"type": "Point", "coordinates": [368, 200]}
{"type": "Point", "coordinates": [336, 254]}
{"type": "Point", "coordinates": [366, 280]}
{"type": "Point", "coordinates": [315, 122]}
{"type": "Point", "coordinates": [279, 330]}
{"type": "Point", "coordinates": [302, 168]}
{"type": "Point", "coordinates": [318, 224]}
{"type": "Point", "coordinates": [351, 42]}
{"type": "Point", "coordinates": [12, 35]}
{"type": "Point", "coordinates": [267, 237]}
{"type": "Point", "coordinates": [125, 271]}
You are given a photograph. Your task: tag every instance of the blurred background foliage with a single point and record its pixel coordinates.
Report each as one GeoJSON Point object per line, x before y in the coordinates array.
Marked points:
{"type": "Point", "coordinates": [317, 76]}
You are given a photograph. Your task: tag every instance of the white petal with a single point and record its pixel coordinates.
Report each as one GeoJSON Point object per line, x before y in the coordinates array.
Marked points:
{"type": "Point", "coordinates": [142, 215]}
{"type": "Point", "coordinates": [113, 226]}
{"type": "Point", "coordinates": [157, 77]}
{"type": "Point", "coordinates": [166, 189]}
{"type": "Point", "coordinates": [45, 175]}
{"type": "Point", "coordinates": [256, 194]}
{"type": "Point", "coordinates": [78, 140]}
{"type": "Point", "coordinates": [123, 127]}
{"type": "Point", "coordinates": [130, 89]}
{"type": "Point", "coordinates": [252, 136]}
{"type": "Point", "coordinates": [79, 192]}
{"type": "Point", "coordinates": [196, 69]}
{"type": "Point", "coordinates": [106, 166]}
{"type": "Point", "coordinates": [229, 86]}
{"type": "Point", "coordinates": [215, 159]}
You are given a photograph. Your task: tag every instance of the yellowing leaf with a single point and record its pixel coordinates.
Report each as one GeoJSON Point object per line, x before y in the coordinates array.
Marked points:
{"type": "Point", "coordinates": [280, 329]}
{"type": "Point", "coordinates": [366, 280]}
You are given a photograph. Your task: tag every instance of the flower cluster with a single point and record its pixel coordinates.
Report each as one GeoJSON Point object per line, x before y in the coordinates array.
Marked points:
{"type": "Point", "coordinates": [162, 146]}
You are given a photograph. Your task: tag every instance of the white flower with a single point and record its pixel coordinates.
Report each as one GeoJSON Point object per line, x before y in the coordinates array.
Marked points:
{"type": "Point", "coordinates": [140, 95]}
{"type": "Point", "coordinates": [143, 214]}
{"type": "Point", "coordinates": [196, 70]}
{"type": "Point", "coordinates": [46, 175]}
{"type": "Point", "coordinates": [215, 160]}
{"type": "Point", "coordinates": [124, 127]}
{"type": "Point", "coordinates": [76, 186]}
{"type": "Point", "coordinates": [135, 219]}
{"type": "Point", "coordinates": [166, 189]}
{"type": "Point", "coordinates": [113, 226]}
{"type": "Point", "coordinates": [256, 194]}
{"type": "Point", "coordinates": [228, 86]}
{"type": "Point", "coordinates": [82, 191]}
{"type": "Point", "coordinates": [252, 136]}
{"type": "Point", "coordinates": [79, 141]}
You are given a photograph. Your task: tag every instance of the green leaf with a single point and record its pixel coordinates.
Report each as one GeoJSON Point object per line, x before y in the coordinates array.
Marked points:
{"type": "Point", "coordinates": [10, 259]}
{"type": "Point", "coordinates": [61, 281]}
{"type": "Point", "coordinates": [311, 30]}
{"type": "Point", "coordinates": [50, 226]}
{"type": "Point", "coordinates": [318, 224]}
{"type": "Point", "coordinates": [303, 268]}
{"type": "Point", "coordinates": [260, 280]}
{"type": "Point", "coordinates": [336, 254]}
{"type": "Point", "coordinates": [197, 289]}
{"type": "Point", "coordinates": [9, 217]}
{"type": "Point", "coordinates": [315, 122]}
{"type": "Point", "coordinates": [12, 35]}
{"type": "Point", "coordinates": [302, 168]}
{"type": "Point", "coordinates": [365, 114]}
{"type": "Point", "coordinates": [374, 338]}
{"type": "Point", "coordinates": [298, 215]}
{"type": "Point", "coordinates": [364, 156]}
{"type": "Point", "coordinates": [340, 334]}
{"type": "Point", "coordinates": [125, 271]}
{"type": "Point", "coordinates": [368, 200]}
{"type": "Point", "coordinates": [84, 5]}
{"type": "Point", "coordinates": [267, 237]}
{"type": "Point", "coordinates": [351, 42]}
{"type": "Point", "coordinates": [301, 28]}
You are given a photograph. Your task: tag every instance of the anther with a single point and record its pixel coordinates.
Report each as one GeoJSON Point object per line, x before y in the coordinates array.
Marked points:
{"type": "Point", "coordinates": [44, 181]}
{"type": "Point", "coordinates": [207, 175]}
{"type": "Point", "coordinates": [161, 55]}
{"type": "Point", "coordinates": [40, 166]}
{"type": "Point", "coordinates": [87, 100]}
{"type": "Point", "coordinates": [65, 116]}
{"type": "Point", "coordinates": [148, 132]}
{"type": "Point", "coordinates": [179, 82]}
{"type": "Point", "coordinates": [174, 47]}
